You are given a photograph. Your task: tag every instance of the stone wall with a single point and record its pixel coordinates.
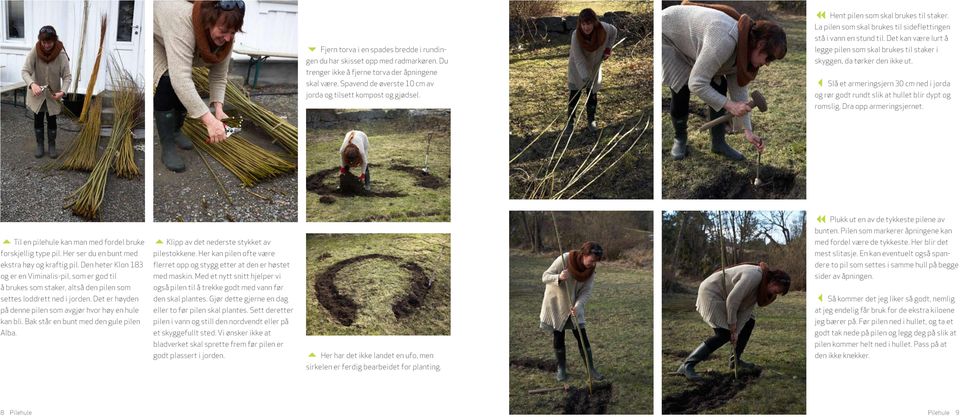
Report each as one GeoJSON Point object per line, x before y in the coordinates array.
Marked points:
{"type": "Point", "coordinates": [321, 118]}
{"type": "Point", "coordinates": [557, 25]}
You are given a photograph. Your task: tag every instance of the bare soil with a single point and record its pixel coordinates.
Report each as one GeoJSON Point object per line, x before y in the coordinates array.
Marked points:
{"type": "Point", "coordinates": [714, 391]}
{"type": "Point", "coordinates": [344, 309]}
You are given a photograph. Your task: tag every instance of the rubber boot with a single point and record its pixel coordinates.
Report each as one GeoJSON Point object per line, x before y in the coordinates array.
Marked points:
{"type": "Point", "coordinates": [592, 113]}
{"type": "Point", "coordinates": [167, 130]}
{"type": "Point", "coordinates": [596, 375]}
{"type": "Point", "coordinates": [561, 363]}
{"type": "Point", "coordinates": [39, 152]}
{"type": "Point", "coordinates": [742, 339]}
{"type": "Point", "coordinates": [584, 344]}
{"type": "Point", "coordinates": [699, 354]}
{"type": "Point", "coordinates": [741, 364]}
{"type": "Point", "coordinates": [52, 143]}
{"type": "Point", "coordinates": [366, 180]}
{"type": "Point", "coordinates": [718, 143]}
{"type": "Point", "coordinates": [679, 149]}
{"type": "Point", "coordinates": [183, 142]}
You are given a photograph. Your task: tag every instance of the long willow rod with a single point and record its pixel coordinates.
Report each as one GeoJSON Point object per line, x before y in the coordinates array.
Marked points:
{"type": "Point", "coordinates": [96, 70]}
{"type": "Point", "coordinates": [723, 273]}
{"type": "Point", "coordinates": [574, 320]}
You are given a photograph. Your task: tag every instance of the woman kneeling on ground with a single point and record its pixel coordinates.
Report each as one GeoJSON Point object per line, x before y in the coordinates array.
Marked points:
{"type": "Point", "coordinates": [559, 313]}
{"type": "Point", "coordinates": [354, 153]}
{"type": "Point", "coordinates": [187, 35]}
{"type": "Point", "coordinates": [726, 300]}
{"type": "Point", "coordinates": [46, 70]}
{"type": "Point", "coordinates": [711, 50]}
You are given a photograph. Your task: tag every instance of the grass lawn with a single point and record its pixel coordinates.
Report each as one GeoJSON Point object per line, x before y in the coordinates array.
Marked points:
{"type": "Point", "coordinates": [777, 344]}
{"type": "Point", "coordinates": [377, 284]}
{"type": "Point", "coordinates": [393, 143]}
{"type": "Point", "coordinates": [619, 326]}
{"type": "Point", "coordinates": [539, 94]}
{"type": "Point", "coordinates": [705, 175]}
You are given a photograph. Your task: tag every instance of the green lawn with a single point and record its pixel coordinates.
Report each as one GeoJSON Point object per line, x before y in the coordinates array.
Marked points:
{"type": "Point", "coordinates": [619, 325]}
{"type": "Point", "coordinates": [392, 143]}
{"type": "Point", "coordinates": [539, 94]}
{"type": "Point", "coordinates": [375, 284]}
{"type": "Point", "coordinates": [778, 345]}
{"type": "Point", "coordinates": [705, 175]}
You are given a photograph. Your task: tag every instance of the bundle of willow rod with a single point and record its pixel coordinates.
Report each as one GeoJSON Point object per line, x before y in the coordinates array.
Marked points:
{"type": "Point", "coordinates": [82, 153]}
{"type": "Point", "coordinates": [248, 162]}
{"type": "Point", "coordinates": [127, 101]}
{"type": "Point", "coordinates": [126, 166]}
{"type": "Point", "coordinates": [283, 133]}
{"type": "Point", "coordinates": [127, 104]}
{"type": "Point", "coordinates": [85, 201]}
{"type": "Point", "coordinates": [96, 70]}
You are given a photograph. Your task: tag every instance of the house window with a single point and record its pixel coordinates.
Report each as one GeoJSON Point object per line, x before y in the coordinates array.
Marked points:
{"type": "Point", "coordinates": [14, 19]}
{"type": "Point", "coordinates": [125, 21]}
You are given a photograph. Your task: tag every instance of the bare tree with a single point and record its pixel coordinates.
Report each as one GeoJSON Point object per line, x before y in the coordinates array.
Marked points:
{"type": "Point", "coordinates": [778, 221]}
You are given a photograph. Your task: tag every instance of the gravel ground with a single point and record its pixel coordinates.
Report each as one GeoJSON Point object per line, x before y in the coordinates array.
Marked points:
{"type": "Point", "coordinates": [194, 196]}
{"type": "Point", "coordinates": [30, 194]}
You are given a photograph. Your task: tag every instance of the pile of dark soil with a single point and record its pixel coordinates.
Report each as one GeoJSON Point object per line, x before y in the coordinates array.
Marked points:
{"type": "Point", "coordinates": [344, 309]}
{"type": "Point", "coordinates": [581, 401]}
{"type": "Point", "coordinates": [424, 179]}
{"type": "Point", "coordinates": [776, 183]}
{"type": "Point", "coordinates": [576, 400]}
{"type": "Point", "coordinates": [714, 391]}
{"type": "Point", "coordinates": [350, 185]}
{"type": "Point", "coordinates": [408, 303]}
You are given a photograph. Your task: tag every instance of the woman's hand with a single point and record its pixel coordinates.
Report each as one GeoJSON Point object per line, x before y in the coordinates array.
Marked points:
{"type": "Point", "coordinates": [218, 111]}
{"type": "Point", "coordinates": [736, 108]}
{"type": "Point", "coordinates": [564, 275]}
{"type": "Point", "coordinates": [573, 311]}
{"type": "Point", "coordinates": [757, 141]}
{"type": "Point", "coordinates": [58, 95]}
{"type": "Point", "coordinates": [733, 334]}
{"type": "Point", "coordinates": [35, 89]}
{"type": "Point", "coordinates": [607, 52]}
{"type": "Point", "coordinates": [215, 130]}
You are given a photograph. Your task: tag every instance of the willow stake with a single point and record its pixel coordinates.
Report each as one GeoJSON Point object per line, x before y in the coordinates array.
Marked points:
{"type": "Point", "coordinates": [574, 319]}
{"type": "Point", "coordinates": [96, 70]}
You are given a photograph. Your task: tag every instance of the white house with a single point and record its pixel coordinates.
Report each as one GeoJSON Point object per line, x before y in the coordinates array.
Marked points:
{"type": "Point", "coordinates": [124, 40]}
{"type": "Point", "coordinates": [269, 25]}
